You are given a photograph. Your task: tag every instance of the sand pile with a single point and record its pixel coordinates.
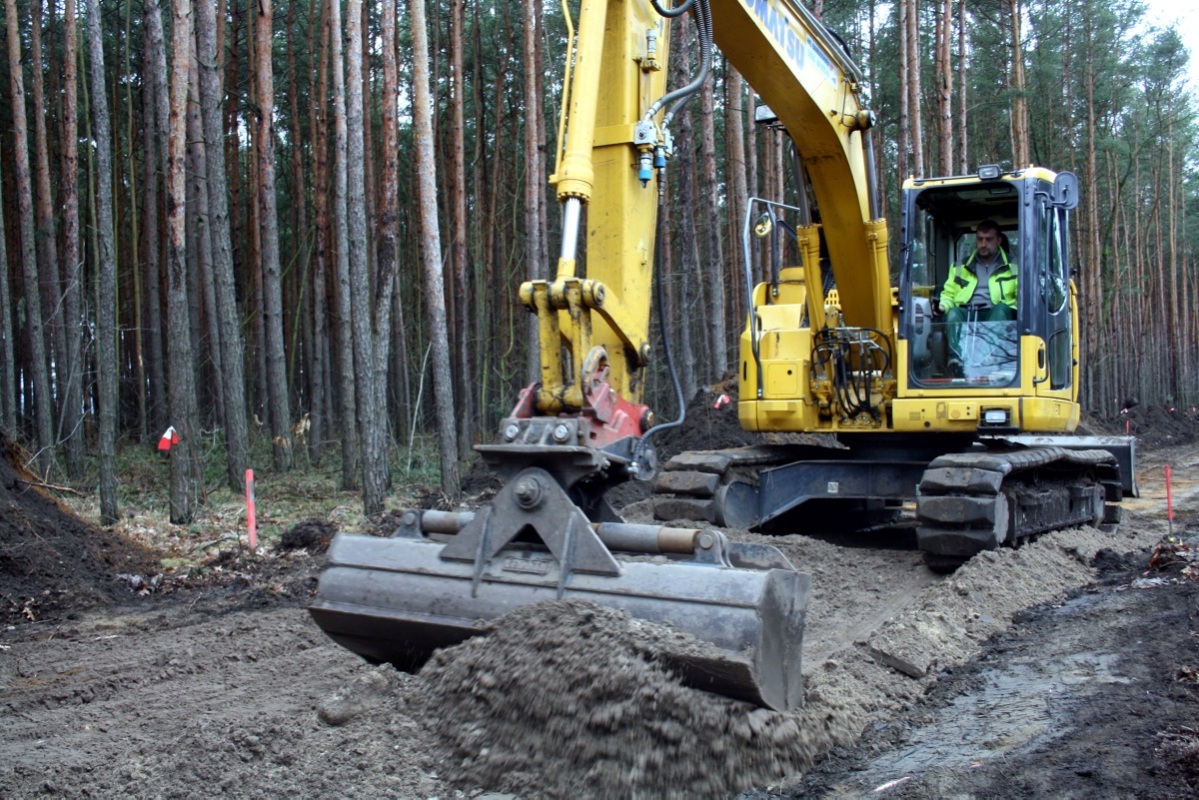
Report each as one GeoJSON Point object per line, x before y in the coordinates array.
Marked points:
{"type": "Point", "coordinates": [566, 699]}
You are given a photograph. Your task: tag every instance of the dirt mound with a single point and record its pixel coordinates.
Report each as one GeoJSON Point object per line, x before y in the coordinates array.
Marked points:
{"type": "Point", "coordinates": [565, 699]}
{"type": "Point", "coordinates": [1154, 426]}
{"type": "Point", "coordinates": [312, 535]}
{"type": "Point", "coordinates": [711, 423]}
{"type": "Point", "coordinates": [51, 562]}
{"type": "Point", "coordinates": [480, 481]}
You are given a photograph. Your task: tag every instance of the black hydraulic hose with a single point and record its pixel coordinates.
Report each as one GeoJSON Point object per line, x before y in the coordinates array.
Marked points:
{"type": "Point", "coordinates": [703, 18]}
{"type": "Point", "coordinates": [703, 24]}
{"type": "Point", "coordinates": [667, 353]}
{"type": "Point", "coordinates": [670, 13]}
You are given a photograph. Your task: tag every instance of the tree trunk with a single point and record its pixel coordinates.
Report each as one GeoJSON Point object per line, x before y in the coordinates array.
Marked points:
{"type": "Point", "coordinates": [8, 355]}
{"type": "Point", "coordinates": [69, 430]}
{"type": "Point", "coordinates": [157, 120]}
{"type": "Point", "coordinates": [944, 84]}
{"type": "Point", "coordinates": [388, 219]}
{"type": "Point", "coordinates": [29, 266]}
{"type": "Point", "coordinates": [232, 344]}
{"type": "Point", "coordinates": [536, 253]}
{"type": "Point", "coordinates": [1021, 151]}
{"type": "Point", "coordinates": [735, 171]}
{"type": "Point", "coordinates": [134, 237]}
{"type": "Point", "coordinates": [106, 273]}
{"type": "Point", "coordinates": [710, 191]}
{"type": "Point", "coordinates": [685, 359]}
{"type": "Point", "coordinates": [915, 112]}
{"type": "Point", "coordinates": [345, 336]}
{"type": "Point", "coordinates": [322, 400]}
{"type": "Point", "coordinates": [963, 139]}
{"type": "Point", "coordinates": [72, 260]}
{"type": "Point", "coordinates": [905, 123]}
{"type": "Point", "coordinates": [1091, 249]}
{"type": "Point", "coordinates": [430, 236]}
{"type": "Point", "coordinates": [462, 309]}
{"type": "Point", "coordinates": [272, 286]}
{"type": "Point", "coordinates": [301, 319]}
{"type": "Point", "coordinates": [185, 473]}
{"type": "Point", "coordinates": [371, 424]}
{"type": "Point", "coordinates": [206, 273]}
{"type": "Point", "coordinates": [368, 166]}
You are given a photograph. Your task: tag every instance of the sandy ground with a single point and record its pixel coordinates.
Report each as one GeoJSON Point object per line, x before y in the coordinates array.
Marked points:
{"type": "Point", "coordinates": [996, 681]}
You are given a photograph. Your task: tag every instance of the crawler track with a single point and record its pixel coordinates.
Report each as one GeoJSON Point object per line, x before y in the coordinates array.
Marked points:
{"type": "Point", "coordinates": [718, 485]}
{"type": "Point", "coordinates": [968, 502]}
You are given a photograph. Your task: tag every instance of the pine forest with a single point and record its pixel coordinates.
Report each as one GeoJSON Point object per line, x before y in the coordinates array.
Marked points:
{"type": "Point", "coordinates": [298, 228]}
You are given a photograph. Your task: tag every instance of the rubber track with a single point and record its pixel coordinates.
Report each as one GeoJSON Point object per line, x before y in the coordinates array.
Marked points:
{"type": "Point", "coordinates": [968, 502]}
{"type": "Point", "coordinates": [692, 485]}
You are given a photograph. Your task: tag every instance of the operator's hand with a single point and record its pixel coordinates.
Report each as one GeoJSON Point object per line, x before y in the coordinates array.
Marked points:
{"type": "Point", "coordinates": [941, 308]}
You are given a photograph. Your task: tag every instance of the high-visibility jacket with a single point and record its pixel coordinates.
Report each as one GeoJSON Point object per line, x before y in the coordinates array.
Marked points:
{"type": "Point", "coordinates": [962, 281]}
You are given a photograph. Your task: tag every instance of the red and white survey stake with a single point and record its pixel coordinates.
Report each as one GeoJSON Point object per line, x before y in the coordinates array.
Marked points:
{"type": "Point", "coordinates": [169, 438]}
{"type": "Point", "coordinates": [251, 511]}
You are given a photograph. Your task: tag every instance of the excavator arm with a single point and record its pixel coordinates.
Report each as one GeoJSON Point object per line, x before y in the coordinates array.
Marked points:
{"type": "Point", "coordinates": [802, 72]}
{"type": "Point", "coordinates": [593, 316]}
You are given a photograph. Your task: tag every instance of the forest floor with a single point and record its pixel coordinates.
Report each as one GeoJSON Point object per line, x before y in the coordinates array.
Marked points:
{"type": "Point", "coordinates": [152, 660]}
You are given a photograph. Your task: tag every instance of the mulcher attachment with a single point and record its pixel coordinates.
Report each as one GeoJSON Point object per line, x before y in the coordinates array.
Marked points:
{"type": "Point", "coordinates": [442, 574]}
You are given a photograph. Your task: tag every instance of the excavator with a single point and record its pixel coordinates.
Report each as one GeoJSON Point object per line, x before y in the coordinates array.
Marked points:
{"type": "Point", "coordinates": [983, 448]}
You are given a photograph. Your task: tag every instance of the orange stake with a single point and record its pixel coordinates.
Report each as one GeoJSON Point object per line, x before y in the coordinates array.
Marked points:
{"type": "Point", "coordinates": [251, 511]}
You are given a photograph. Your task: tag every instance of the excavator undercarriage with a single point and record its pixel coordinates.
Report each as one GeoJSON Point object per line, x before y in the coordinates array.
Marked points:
{"type": "Point", "coordinates": [994, 493]}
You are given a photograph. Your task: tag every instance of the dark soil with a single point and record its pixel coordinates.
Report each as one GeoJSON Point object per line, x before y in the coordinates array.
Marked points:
{"type": "Point", "coordinates": [51, 562]}
{"type": "Point", "coordinates": [479, 480]}
{"type": "Point", "coordinates": [312, 535]}
{"type": "Point", "coordinates": [54, 565]}
{"type": "Point", "coordinates": [1103, 690]}
{"type": "Point", "coordinates": [1154, 426]}
{"type": "Point", "coordinates": [711, 423]}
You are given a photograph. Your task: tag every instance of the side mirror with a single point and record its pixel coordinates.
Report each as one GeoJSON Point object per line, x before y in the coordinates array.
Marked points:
{"type": "Point", "coordinates": [1065, 190]}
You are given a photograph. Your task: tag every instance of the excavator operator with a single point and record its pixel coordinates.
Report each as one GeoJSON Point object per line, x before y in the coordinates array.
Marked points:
{"type": "Point", "coordinates": [983, 289]}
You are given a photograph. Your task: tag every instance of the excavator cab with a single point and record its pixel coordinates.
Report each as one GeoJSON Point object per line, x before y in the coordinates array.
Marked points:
{"type": "Point", "coordinates": [983, 346]}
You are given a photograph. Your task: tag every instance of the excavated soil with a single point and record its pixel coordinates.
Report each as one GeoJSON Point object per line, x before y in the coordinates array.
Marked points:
{"type": "Point", "coordinates": [568, 699]}
{"type": "Point", "coordinates": [52, 563]}
{"type": "Point", "coordinates": [1065, 668]}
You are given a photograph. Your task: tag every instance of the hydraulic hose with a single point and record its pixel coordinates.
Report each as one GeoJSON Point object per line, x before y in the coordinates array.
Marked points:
{"type": "Point", "coordinates": [671, 13]}
{"type": "Point", "coordinates": [703, 19]}
{"type": "Point", "coordinates": [667, 352]}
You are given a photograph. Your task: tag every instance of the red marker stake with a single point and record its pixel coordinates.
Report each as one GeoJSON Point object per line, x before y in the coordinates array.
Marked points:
{"type": "Point", "coordinates": [251, 517]}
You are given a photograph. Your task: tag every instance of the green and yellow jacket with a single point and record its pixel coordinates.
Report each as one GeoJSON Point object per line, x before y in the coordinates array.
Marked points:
{"type": "Point", "coordinates": [962, 280]}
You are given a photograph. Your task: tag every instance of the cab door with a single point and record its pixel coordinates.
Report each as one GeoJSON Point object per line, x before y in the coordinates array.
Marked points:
{"type": "Point", "coordinates": [1051, 288]}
